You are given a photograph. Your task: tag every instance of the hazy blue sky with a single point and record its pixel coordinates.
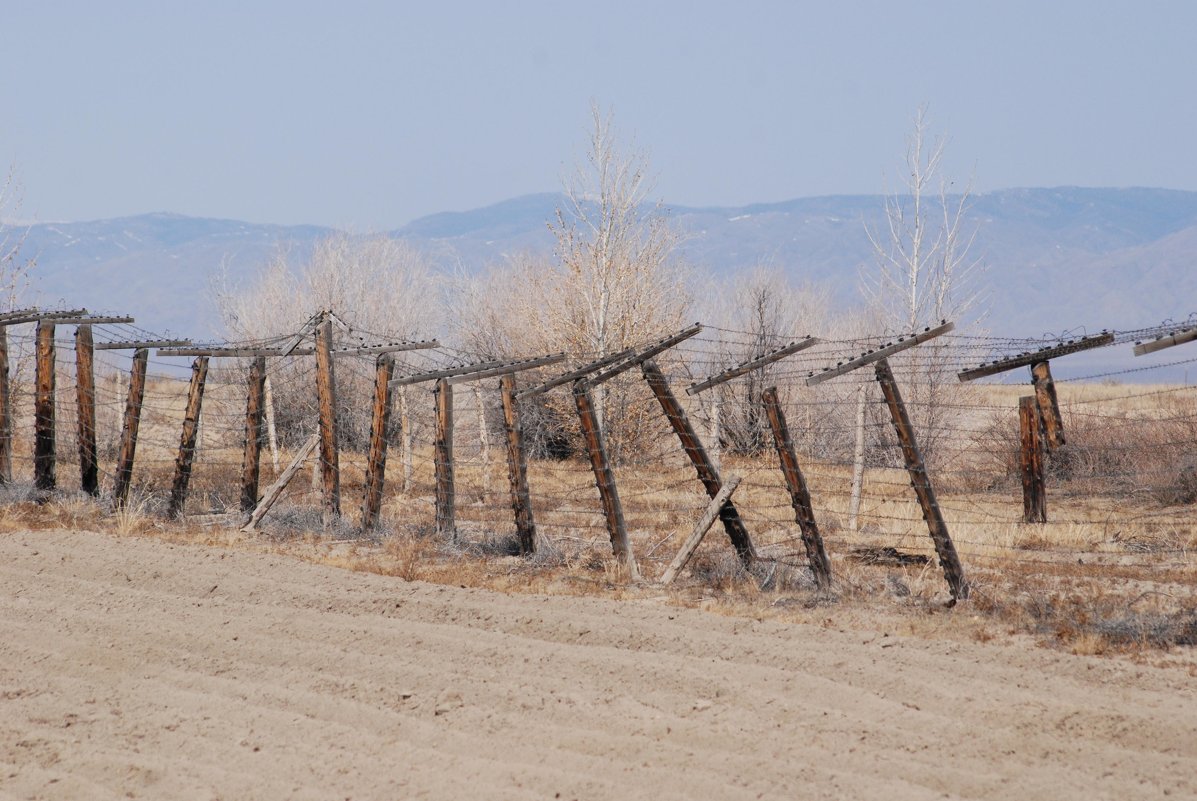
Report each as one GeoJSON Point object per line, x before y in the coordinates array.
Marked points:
{"type": "Point", "coordinates": [372, 114]}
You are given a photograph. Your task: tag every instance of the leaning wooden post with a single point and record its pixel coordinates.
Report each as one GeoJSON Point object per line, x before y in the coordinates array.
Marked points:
{"type": "Point", "coordinates": [191, 419]}
{"type": "Point", "coordinates": [43, 446]}
{"type": "Point", "coordinates": [377, 465]}
{"type": "Point", "coordinates": [804, 513]}
{"type": "Point", "coordinates": [85, 394]}
{"type": "Point", "coordinates": [1034, 494]}
{"type": "Point", "coordinates": [255, 409]}
{"type": "Point", "coordinates": [443, 453]}
{"type": "Point", "coordinates": [694, 449]}
{"type": "Point", "coordinates": [1049, 404]}
{"type": "Point", "coordinates": [326, 390]}
{"type": "Point", "coordinates": [938, 529]}
{"type": "Point", "coordinates": [604, 479]}
{"type": "Point", "coordinates": [124, 464]}
{"type": "Point", "coordinates": [517, 467]}
{"type": "Point", "coordinates": [5, 412]}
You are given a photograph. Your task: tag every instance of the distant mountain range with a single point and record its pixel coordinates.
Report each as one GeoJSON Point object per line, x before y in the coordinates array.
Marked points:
{"type": "Point", "coordinates": [1056, 258]}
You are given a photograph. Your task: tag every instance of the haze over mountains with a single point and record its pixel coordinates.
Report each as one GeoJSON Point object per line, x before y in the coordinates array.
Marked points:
{"type": "Point", "coordinates": [1056, 258]}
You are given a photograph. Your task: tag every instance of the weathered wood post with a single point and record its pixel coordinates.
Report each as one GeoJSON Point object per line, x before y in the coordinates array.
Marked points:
{"type": "Point", "coordinates": [271, 429]}
{"type": "Point", "coordinates": [43, 445]}
{"type": "Point", "coordinates": [407, 438]}
{"type": "Point", "coordinates": [191, 419]}
{"type": "Point", "coordinates": [5, 412]}
{"type": "Point", "coordinates": [446, 526]}
{"type": "Point", "coordinates": [379, 421]}
{"type": "Point", "coordinates": [694, 449]}
{"type": "Point", "coordinates": [1049, 404]}
{"type": "Point", "coordinates": [124, 464]}
{"type": "Point", "coordinates": [255, 409]}
{"type": "Point", "coordinates": [517, 467]}
{"type": "Point", "coordinates": [85, 394]}
{"type": "Point", "coordinates": [604, 479]}
{"type": "Point", "coordinates": [483, 437]}
{"type": "Point", "coordinates": [804, 513]}
{"type": "Point", "coordinates": [948, 559]}
{"type": "Point", "coordinates": [329, 455]}
{"type": "Point", "coordinates": [715, 431]}
{"type": "Point", "coordinates": [1034, 494]}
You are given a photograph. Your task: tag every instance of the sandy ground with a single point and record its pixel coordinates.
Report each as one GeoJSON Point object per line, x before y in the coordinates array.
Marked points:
{"type": "Point", "coordinates": [133, 668]}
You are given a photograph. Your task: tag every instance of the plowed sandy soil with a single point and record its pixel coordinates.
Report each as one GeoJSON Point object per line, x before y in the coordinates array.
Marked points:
{"type": "Point", "coordinates": [133, 668]}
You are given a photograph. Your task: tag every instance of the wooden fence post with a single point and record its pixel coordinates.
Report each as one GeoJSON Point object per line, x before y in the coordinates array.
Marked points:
{"type": "Point", "coordinates": [604, 479]}
{"type": "Point", "coordinates": [1034, 493]}
{"type": "Point", "coordinates": [715, 431]}
{"type": "Point", "coordinates": [1049, 404]}
{"type": "Point", "coordinates": [692, 445]}
{"type": "Point", "coordinates": [85, 394]}
{"type": "Point", "coordinates": [517, 467]}
{"type": "Point", "coordinates": [443, 454]}
{"type": "Point", "coordinates": [483, 438]}
{"type": "Point", "coordinates": [255, 408]}
{"type": "Point", "coordinates": [124, 465]}
{"type": "Point", "coordinates": [329, 456]}
{"type": "Point", "coordinates": [43, 446]}
{"type": "Point", "coordinates": [804, 513]}
{"type": "Point", "coordinates": [271, 429]}
{"type": "Point", "coordinates": [5, 412]}
{"type": "Point", "coordinates": [858, 455]}
{"type": "Point", "coordinates": [407, 440]}
{"type": "Point", "coordinates": [936, 527]}
{"type": "Point", "coordinates": [377, 465]}
{"type": "Point", "coordinates": [183, 462]}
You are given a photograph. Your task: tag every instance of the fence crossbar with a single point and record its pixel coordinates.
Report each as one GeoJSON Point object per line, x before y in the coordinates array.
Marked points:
{"type": "Point", "coordinates": [885, 351]}
{"type": "Point", "coordinates": [1034, 357]}
{"type": "Point", "coordinates": [754, 364]}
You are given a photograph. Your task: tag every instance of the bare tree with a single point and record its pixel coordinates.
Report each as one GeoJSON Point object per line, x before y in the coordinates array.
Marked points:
{"type": "Point", "coordinates": [925, 273]}
{"type": "Point", "coordinates": [14, 270]}
{"type": "Point", "coordinates": [375, 283]}
{"type": "Point", "coordinates": [766, 312]}
{"type": "Point", "coordinates": [616, 280]}
{"type": "Point", "coordinates": [381, 287]}
{"type": "Point", "coordinates": [924, 270]}
{"type": "Point", "coordinates": [613, 280]}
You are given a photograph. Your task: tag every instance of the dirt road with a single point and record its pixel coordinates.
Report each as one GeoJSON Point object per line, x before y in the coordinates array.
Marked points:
{"type": "Point", "coordinates": [135, 668]}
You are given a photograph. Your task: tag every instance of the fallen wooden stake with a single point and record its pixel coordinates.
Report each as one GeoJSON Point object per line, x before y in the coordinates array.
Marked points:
{"type": "Point", "coordinates": [275, 490]}
{"type": "Point", "coordinates": [700, 530]}
{"type": "Point", "coordinates": [1048, 403]}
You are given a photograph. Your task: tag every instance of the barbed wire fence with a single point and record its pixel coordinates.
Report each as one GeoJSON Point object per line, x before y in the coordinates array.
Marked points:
{"type": "Point", "coordinates": [427, 429]}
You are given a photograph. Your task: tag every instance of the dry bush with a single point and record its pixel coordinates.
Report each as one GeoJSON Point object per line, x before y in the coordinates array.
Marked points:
{"type": "Point", "coordinates": [380, 286]}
